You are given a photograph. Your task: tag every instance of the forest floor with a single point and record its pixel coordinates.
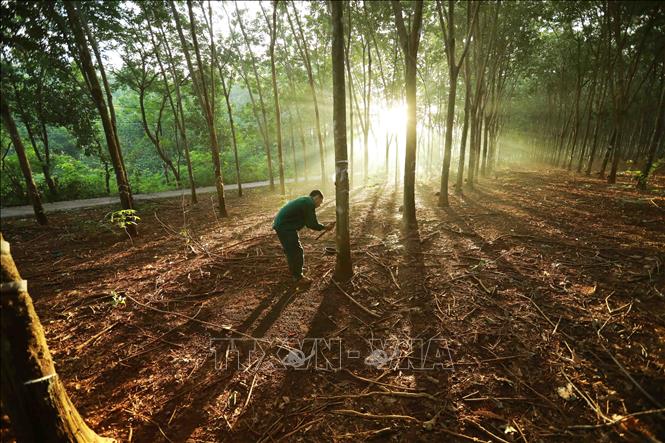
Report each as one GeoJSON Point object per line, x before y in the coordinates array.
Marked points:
{"type": "Point", "coordinates": [531, 310]}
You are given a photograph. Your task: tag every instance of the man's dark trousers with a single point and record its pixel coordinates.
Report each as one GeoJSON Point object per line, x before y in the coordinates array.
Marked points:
{"type": "Point", "coordinates": [293, 249]}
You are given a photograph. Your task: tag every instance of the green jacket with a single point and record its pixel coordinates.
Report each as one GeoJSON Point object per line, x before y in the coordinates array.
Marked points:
{"type": "Point", "coordinates": [297, 214]}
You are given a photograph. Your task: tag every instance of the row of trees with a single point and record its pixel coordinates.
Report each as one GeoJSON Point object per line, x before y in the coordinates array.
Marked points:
{"type": "Point", "coordinates": [594, 97]}
{"type": "Point", "coordinates": [574, 80]}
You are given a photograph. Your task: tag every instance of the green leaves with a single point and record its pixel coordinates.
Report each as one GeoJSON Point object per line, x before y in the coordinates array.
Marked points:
{"type": "Point", "coordinates": [124, 218]}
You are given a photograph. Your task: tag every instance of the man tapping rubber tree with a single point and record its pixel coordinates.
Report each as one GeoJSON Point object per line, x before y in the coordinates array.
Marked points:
{"type": "Point", "coordinates": [293, 216]}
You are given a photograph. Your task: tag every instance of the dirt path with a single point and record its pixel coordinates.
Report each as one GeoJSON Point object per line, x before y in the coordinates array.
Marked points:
{"type": "Point", "coordinates": [532, 309]}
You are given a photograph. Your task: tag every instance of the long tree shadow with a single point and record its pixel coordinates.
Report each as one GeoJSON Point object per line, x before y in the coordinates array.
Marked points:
{"type": "Point", "coordinates": [580, 326]}
{"type": "Point", "coordinates": [206, 386]}
{"type": "Point", "coordinates": [325, 325]}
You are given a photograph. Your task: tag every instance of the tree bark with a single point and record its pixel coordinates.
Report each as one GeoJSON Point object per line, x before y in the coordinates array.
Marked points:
{"type": "Point", "coordinates": [263, 127]}
{"type": "Point", "coordinates": [32, 393]}
{"type": "Point", "coordinates": [33, 192]}
{"type": "Point", "coordinates": [347, 57]}
{"type": "Point", "coordinates": [227, 98]}
{"type": "Point", "coordinates": [109, 95]}
{"type": "Point", "coordinates": [343, 267]}
{"type": "Point", "coordinates": [202, 93]}
{"type": "Point", "coordinates": [465, 127]}
{"type": "Point", "coordinates": [656, 138]}
{"type": "Point", "coordinates": [448, 29]}
{"type": "Point", "coordinates": [278, 116]}
{"type": "Point", "coordinates": [109, 128]}
{"type": "Point", "coordinates": [410, 40]}
{"type": "Point", "coordinates": [368, 100]}
{"type": "Point", "coordinates": [304, 52]}
{"type": "Point", "coordinates": [178, 115]}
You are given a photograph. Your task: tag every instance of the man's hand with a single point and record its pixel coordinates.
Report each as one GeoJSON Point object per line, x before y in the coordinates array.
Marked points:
{"type": "Point", "coordinates": [329, 227]}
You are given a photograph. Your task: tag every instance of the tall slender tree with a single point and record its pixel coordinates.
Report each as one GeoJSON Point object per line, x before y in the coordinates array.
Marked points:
{"type": "Point", "coordinates": [263, 123]}
{"type": "Point", "coordinates": [303, 48]}
{"type": "Point", "coordinates": [278, 118]}
{"type": "Point", "coordinates": [33, 192]}
{"type": "Point", "coordinates": [343, 267]}
{"type": "Point", "coordinates": [176, 109]}
{"type": "Point", "coordinates": [447, 24]}
{"type": "Point", "coordinates": [409, 42]}
{"type": "Point", "coordinates": [90, 76]}
{"type": "Point", "coordinates": [206, 99]}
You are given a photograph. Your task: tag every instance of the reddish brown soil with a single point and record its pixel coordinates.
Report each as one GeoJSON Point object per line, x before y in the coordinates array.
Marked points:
{"type": "Point", "coordinates": [537, 285]}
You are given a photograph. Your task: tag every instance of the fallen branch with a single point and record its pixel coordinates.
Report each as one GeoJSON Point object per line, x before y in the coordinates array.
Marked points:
{"type": "Point", "coordinates": [392, 276]}
{"type": "Point", "coordinates": [309, 423]}
{"type": "Point", "coordinates": [149, 420]}
{"type": "Point", "coordinates": [368, 434]}
{"type": "Point", "coordinates": [479, 426]}
{"type": "Point", "coordinates": [376, 382]}
{"type": "Point", "coordinates": [203, 322]}
{"type": "Point", "coordinates": [373, 416]}
{"type": "Point", "coordinates": [229, 247]}
{"type": "Point", "coordinates": [95, 337]}
{"type": "Point", "coordinates": [372, 313]}
{"type": "Point", "coordinates": [589, 401]}
{"type": "Point", "coordinates": [619, 420]}
{"type": "Point", "coordinates": [388, 393]}
{"type": "Point", "coordinates": [488, 291]}
{"type": "Point", "coordinates": [630, 377]}
{"type": "Point", "coordinates": [457, 434]}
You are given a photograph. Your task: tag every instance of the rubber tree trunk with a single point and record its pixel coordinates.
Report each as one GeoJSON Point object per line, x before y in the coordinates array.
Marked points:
{"type": "Point", "coordinates": [486, 135]}
{"type": "Point", "coordinates": [472, 145]}
{"type": "Point", "coordinates": [410, 40]}
{"type": "Point", "coordinates": [263, 127]}
{"type": "Point", "coordinates": [387, 161]}
{"type": "Point", "coordinates": [209, 102]}
{"type": "Point", "coordinates": [109, 98]}
{"type": "Point", "coordinates": [304, 51]}
{"type": "Point", "coordinates": [448, 147]}
{"type": "Point", "coordinates": [656, 136]}
{"type": "Point", "coordinates": [303, 142]}
{"type": "Point", "coordinates": [204, 100]}
{"type": "Point", "coordinates": [343, 267]}
{"type": "Point", "coordinates": [46, 167]}
{"type": "Point", "coordinates": [350, 78]}
{"type": "Point", "coordinates": [109, 128]}
{"type": "Point", "coordinates": [292, 142]}
{"type": "Point", "coordinates": [32, 393]}
{"type": "Point", "coordinates": [411, 145]}
{"type": "Point", "coordinates": [396, 161]}
{"type": "Point", "coordinates": [229, 111]}
{"type": "Point", "coordinates": [594, 147]}
{"type": "Point", "coordinates": [278, 116]}
{"type": "Point", "coordinates": [368, 99]}
{"type": "Point", "coordinates": [178, 115]}
{"type": "Point", "coordinates": [465, 128]}
{"type": "Point", "coordinates": [611, 146]}
{"type": "Point", "coordinates": [617, 149]}
{"type": "Point", "coordinates": [155, 138]}
{"type": "Point", "coordinates": [33, 192]}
